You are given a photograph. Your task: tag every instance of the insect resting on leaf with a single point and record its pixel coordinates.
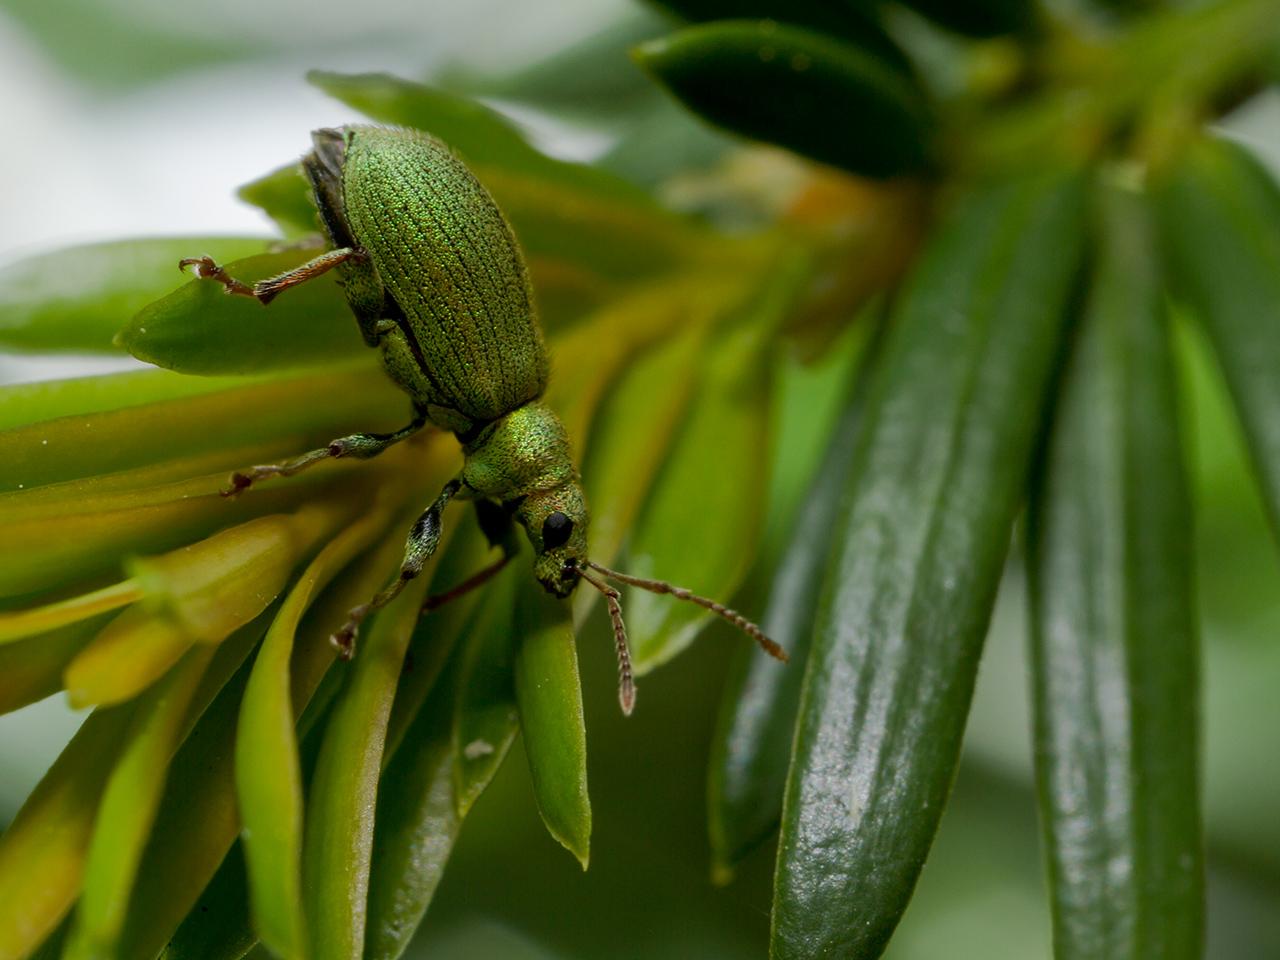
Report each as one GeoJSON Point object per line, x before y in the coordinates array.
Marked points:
{"type": "Point", "coordinates": [432, 271]}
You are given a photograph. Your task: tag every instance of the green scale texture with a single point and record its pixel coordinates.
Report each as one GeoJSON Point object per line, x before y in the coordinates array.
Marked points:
{"type": "Point", "coordinates": [448, 257]}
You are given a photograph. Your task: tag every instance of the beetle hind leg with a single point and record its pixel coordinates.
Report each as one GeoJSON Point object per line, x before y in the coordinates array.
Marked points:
{"type": "Point", "coordinates": [361, 446]}
{"type": "Point", "coordinates": [264, 291]}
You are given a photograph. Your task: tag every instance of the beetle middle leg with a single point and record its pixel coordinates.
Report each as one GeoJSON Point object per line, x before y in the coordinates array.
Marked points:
{"type": "Point", "coordinates": [362, 446]}
{"type": "Point", "coordinates": [264, 291]}
{"type": "Point", "coordinates": [424, 537]}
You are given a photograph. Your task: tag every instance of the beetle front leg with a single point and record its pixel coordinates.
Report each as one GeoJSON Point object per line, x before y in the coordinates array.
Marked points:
{"type": "Point", "coordinates": [264, 291]}
{"type": "Point", "coordinates": [424, 537]}
{"type": "Point", "coordinates": [362, 446]}
{"type": "Point", "coordinates": [500, 531]}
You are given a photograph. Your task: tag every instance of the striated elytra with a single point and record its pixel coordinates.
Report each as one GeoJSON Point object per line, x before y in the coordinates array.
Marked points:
{"type": "Point", "coordinates": [433, 273]}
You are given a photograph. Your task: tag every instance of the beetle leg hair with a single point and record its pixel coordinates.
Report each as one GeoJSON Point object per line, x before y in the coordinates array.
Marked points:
{"type": "Point", "coordinates": [361, 446]}
{"type": "Point", "coordinates": [424, 537]}
{"type": "Point", "coordinates": [264, 291]}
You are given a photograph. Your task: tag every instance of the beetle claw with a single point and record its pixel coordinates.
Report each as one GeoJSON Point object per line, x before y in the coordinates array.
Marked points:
{"type": "Point", "coordinates": [344, 641]}
{"type": "Point", "coordinates": [205, 268]}
{"type": "Point", "coordinates": [240, 482]}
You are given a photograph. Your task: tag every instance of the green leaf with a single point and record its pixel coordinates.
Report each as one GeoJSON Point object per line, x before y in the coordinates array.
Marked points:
{"type": "Point", "coordinates": [485, 721]}
{"type": "Point", "coordinates": [128, 809]}
{"type": "Point", "coordinates": [339, 837]}
{"type": "Point", "coordinates": [752, 746]}
{"type": "Point", "coordinates": [852, 20]}
{"type": "Point", "coordinates": [284, 195]}
{"type": "Point", "coordinates": [724, 435]}
{"type": "Point", "coordinates": [113, 51]}
{"type": "Point", "coordinates": [637, 423]}
{"type": "Point", "coordinates": [438, 631]}
{"type": "Point", "coordinates": [549, 697]}
{"type": "Point", "coordinates": [77, 298]}
{"type": "Point", "coordinates": [200, 329]}
{"type": "Point", "coordinates": [218, 927]}
{"type": "Point", "coordinates": [937, 479]}
{"type": "Point", "coordinates": [418, 815]}
{"type": "Point", "coordinates": [1114, 658]}
{"type": "Point", "coordinates": [268, 769]}
{"type": "Point", "coordinates": [591, 355]}
{"type": "Point", "coordinates": [1220, 218]}
{"type": "Point", "coordinates": [799, 90]}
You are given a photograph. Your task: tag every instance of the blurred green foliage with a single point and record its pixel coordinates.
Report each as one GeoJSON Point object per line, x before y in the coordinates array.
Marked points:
{"type": "Point", "coordinates": [829, 392]}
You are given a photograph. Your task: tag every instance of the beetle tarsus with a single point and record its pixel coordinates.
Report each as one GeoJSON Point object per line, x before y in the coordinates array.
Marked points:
{"type": "Point", "coordinates": [206, 269]}
{"type": "Point", "coordinates": [344, 641]}
{"type": "Point", "coordinates": [239, 483]}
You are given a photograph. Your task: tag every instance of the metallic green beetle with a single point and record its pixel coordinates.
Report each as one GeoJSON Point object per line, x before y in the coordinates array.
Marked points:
{"type": "Point", "coordinates": [436, 280]}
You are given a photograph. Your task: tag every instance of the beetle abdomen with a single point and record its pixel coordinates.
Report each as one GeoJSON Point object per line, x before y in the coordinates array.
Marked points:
{"type": "Point", "coordinates": [448, 257]}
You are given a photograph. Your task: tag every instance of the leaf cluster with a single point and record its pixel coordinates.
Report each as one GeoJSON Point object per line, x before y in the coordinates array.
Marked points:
{"type": "Point", "coordinates": [1001, 230]}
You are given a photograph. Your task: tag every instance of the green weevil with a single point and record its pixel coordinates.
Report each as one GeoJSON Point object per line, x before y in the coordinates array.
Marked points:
{"type": "Point", "coordinates": [433, 273]}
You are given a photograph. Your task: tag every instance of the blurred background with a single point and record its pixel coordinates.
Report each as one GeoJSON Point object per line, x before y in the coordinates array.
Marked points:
{"type": "Point", "coordinates": [141, 117]}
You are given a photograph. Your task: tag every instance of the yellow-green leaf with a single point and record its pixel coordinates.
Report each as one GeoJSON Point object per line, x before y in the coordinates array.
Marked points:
{"type": "Point", "coordinates": [268, 771]}
{"type": "Point", "coordinates": [339, 836]}
{"type": "Point", "coordinates": [128, 809]}
{"type": "Point", "coordinates": [197, 822]}
{"type": "Point", "coordinates": [307, 410]}
{"type": "Point", "coordinates": [42, 852]}
{"type": "Point", "coordinates": [637, 422]}
{"type": "Point", "coordinates": [702, 522]}
{"type": "Point", "coordinates": [31, 669]}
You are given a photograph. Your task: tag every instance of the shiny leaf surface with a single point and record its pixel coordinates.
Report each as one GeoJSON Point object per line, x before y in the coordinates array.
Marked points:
{"type": "Point", "coordinates": [1114, 653]}
{"type": "Point", "coordinates": [920, 542]}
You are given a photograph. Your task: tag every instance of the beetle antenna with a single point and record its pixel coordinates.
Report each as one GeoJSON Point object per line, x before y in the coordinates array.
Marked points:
{"type": "Point", "coordinates": [626, 682]}
{"type": "Point", "coordinates": [680, 593]}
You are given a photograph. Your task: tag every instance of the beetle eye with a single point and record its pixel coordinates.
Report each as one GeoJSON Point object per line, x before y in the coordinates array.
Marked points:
{"type": "Point", "coordinates": [555, 530]}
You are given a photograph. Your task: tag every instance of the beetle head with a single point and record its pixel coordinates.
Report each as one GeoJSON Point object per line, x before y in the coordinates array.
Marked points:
{"type": "Point", "coordinates": [556, 522]}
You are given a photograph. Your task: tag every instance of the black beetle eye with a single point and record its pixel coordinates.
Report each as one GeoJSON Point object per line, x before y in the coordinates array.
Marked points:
{"type": "Point", "coordinates": [555, 530]}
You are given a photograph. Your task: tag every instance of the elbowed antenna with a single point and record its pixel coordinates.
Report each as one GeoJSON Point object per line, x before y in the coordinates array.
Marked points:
{"type": "Point", "coordinates": [626, 683]}
{"type": "Point", "coordinates": [680, 593]}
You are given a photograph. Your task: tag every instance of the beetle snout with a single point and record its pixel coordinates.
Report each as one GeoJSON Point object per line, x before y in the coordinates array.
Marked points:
{"type": "Point", "coordinates": [562, 584]}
